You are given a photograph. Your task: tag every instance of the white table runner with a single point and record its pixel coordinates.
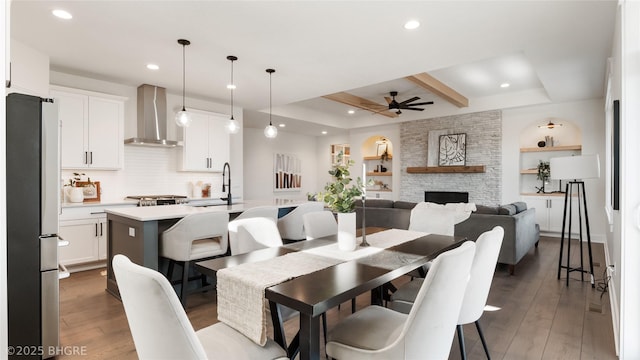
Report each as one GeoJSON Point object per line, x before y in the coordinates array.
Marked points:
{"type": "Point", "coordinates": [378, 241]}
{"type": "Point", "coordinates": [241, 289]}
{"type": "Point", "coordinates": [241, 302]}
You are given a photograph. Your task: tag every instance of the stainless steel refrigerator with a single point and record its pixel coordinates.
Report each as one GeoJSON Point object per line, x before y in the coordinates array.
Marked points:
{"type": "Point", "coordinates": [33, 207]}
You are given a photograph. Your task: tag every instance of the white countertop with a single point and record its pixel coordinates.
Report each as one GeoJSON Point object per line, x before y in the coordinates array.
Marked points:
{"type": "Point", "coordinates": [66, 205]}
{"type": "Point", "coordinates": [150, 213]}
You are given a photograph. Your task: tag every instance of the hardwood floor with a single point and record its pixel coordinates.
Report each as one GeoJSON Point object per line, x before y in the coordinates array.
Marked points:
{"type": "Point", "coordinates": [539, 317]}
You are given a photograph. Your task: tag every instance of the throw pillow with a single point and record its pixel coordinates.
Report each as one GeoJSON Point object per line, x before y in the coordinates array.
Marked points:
{"type": "Point", "coordinates": [431, 220]}
{"type": "Point", "coordinates": [509, 209]}
{"type": "Point", "coordinates": [520, 206]}
{"type": "Point", "coordinates": [489, 210]}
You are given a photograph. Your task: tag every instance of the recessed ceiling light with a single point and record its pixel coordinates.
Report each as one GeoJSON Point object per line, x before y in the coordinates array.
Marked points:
{"type": "Point", "coordinates": [231, 86]}
{"type": "Point", "coordinates": [62, 14]}
{"type": "Point", "coordinates": [412, 24]}
{"type": "Point", "coordinates": [324, 132]}
{"type": "Point", "coordinates": [282, 125]}
{"type": "Point", "coordinates": [153, 67]}
{"type": "Point", "coordinates": [504, 85]}
{"type": "Point", "coordinates": [351, 112]}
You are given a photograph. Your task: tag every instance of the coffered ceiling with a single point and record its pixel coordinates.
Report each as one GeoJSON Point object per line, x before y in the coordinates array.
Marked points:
{"type": "Point", "coordinates": [548, 51]}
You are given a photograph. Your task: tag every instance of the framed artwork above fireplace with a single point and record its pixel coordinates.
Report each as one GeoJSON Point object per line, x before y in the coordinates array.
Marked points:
{"type": "Point", "coordinates": [452, 150]}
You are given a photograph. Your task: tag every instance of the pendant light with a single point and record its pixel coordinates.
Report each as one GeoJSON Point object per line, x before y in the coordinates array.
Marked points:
{"type": "Point", "coordinates": [183, 118]}
{"type": "Point", "coordinates": [270, 131]}
{"type": "Point", "coordinates": [232, 125]}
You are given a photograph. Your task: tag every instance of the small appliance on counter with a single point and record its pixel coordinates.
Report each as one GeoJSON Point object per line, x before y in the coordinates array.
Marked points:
{"type": "Point", "coordinates": [154, 200]}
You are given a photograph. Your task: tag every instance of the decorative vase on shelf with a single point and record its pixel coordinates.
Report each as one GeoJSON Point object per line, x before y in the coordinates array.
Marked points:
{"type": "Point", "coordinates": [347, 231]}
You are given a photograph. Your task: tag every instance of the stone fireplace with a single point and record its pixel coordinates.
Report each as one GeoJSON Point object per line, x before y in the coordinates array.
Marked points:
{"type": "Point", "coordinates": [483, 147]}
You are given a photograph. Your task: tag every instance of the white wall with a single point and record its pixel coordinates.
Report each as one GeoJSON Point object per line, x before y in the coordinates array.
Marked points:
{"type": "Point", "coordinates": [29, 70]}
{"type": "Point", "coordinates": [589, 117]}
{"type": "Point", "coordinates": [613, 250]}
{"type": "Point", "coordinates": [258, 163]}
{"type": "Point", "coordinates": [629, 220]}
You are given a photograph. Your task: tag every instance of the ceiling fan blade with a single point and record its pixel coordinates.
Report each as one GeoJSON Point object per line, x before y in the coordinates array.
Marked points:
{"type": "Point", "coordinates": [410, 100]}
{"type": "Point", "coordinates": [388, 99]}
{"type": "Point", "coordinates": [422, 103]}
{"type": "Point", "coordinates": [410, 108]}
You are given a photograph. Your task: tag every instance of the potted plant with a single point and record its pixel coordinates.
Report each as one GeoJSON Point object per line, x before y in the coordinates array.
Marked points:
{"type": "Point", "coordinates": [384, 157]}
{"type": "Point", "coordinates": [544, 172]}
{"type": "Point", "coordinates": [71, 191]}
{"type": "Point", "coordinates": [340, 196]}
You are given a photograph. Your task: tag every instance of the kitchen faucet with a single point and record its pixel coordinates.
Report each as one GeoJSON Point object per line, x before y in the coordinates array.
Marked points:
{"type": "Point", "coordinates": [226, 168]}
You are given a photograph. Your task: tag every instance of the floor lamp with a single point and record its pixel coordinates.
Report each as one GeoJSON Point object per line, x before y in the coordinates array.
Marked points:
{"type": "Point", "coordinates": [577, 168]}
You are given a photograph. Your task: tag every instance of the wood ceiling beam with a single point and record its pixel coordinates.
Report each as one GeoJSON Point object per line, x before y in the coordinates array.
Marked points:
{"type": "Point", "coordinates": [361, 103]}
{"type": "Point", "coordinates": [438, 88]}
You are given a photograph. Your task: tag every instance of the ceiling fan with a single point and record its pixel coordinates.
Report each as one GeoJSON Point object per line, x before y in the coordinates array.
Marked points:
{"type": "Point", "coordinates": [404, 105]}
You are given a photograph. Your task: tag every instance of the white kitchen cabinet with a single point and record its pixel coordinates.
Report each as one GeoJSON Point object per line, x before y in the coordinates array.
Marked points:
{"type": "Point", "coordinates": [85, 227]}
{"type": "Point", "coordinates": [206, 143]}
{"type": "Point", "coordinates": [29, 70]}
{"type": "Point", "coordinates": [92, 129]}
{"type": "Point", "coordinates": [83, 241]}
{"type": "Point", "coordinates": [102, 239]}
{"type": "Point", "coordinates": [550, 212]}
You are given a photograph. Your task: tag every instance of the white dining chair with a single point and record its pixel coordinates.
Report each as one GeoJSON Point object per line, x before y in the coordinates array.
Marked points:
{"type": "Point", "coordinates": [269, 212]}
{"type": "Point", "coordinates": [475, 298]}
{"type": "Point", "coordinates": [319, 224]}
{"type": "Point", "coordinates": [161, 329]}
{"type": "Point", "coordinates": [291, 226]}
{"type": "Point", "coordinates": [437, 219]}
{"type": "Point", "coordinates": [425, 333]}
{"type": "Point", "coordinates": [194, 237]}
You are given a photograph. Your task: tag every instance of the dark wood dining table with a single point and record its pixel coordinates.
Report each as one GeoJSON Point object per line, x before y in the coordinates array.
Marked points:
{"type": "Point", "coordinates": [315, 293]}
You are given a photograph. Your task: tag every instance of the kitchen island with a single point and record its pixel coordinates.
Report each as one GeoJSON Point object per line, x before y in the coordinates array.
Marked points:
{"type": "Point", "coordinates": [135, 231]}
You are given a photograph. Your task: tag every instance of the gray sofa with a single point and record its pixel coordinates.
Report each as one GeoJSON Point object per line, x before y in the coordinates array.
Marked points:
{"type": "Point", "coordinates": [521, 232]}
{"type": "Point", "coordinates": [385, 213]}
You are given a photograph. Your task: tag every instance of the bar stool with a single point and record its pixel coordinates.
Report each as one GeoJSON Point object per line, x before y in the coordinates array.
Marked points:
{"type": "Point", "coordinates": [195, 237]}
{"type": "Point", "coordinates": [269, 212]}
{"type": "Point", "coordinates": [291, 226]}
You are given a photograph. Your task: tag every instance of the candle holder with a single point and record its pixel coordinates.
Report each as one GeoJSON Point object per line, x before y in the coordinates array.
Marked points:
{"type": "Point", "coordinates": [364, 242]}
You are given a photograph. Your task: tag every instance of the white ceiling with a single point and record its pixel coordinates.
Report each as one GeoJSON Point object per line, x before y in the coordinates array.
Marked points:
{"type": "Point", "coordinates": [549, 51]}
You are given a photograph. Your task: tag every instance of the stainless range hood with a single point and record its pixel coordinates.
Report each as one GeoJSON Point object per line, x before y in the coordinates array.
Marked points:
{"type": "Point", "coordinates": [152, 118]}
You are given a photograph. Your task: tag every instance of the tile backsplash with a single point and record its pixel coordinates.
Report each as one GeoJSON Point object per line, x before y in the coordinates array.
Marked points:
{"type": "Point", "coordinates": [149, 171]}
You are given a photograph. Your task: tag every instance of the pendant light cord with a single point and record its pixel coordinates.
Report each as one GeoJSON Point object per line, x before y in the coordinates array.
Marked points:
{"type": "Point", "coordinates": [183, 76]}
{"type": "Point", "coordinates": [232, 89]}
{"type": "Point", "coordinates": [270, 131]}
{"type": "Point", "coordinates": [270, 73]}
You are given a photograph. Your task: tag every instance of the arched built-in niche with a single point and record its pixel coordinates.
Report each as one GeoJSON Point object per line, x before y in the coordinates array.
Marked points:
{"type": "Point", "coordinates": [565, 139]}
{"type": "Point", "coordinates": [563, 135]}
{"type": "Point", "coordinates": [377, 154]}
